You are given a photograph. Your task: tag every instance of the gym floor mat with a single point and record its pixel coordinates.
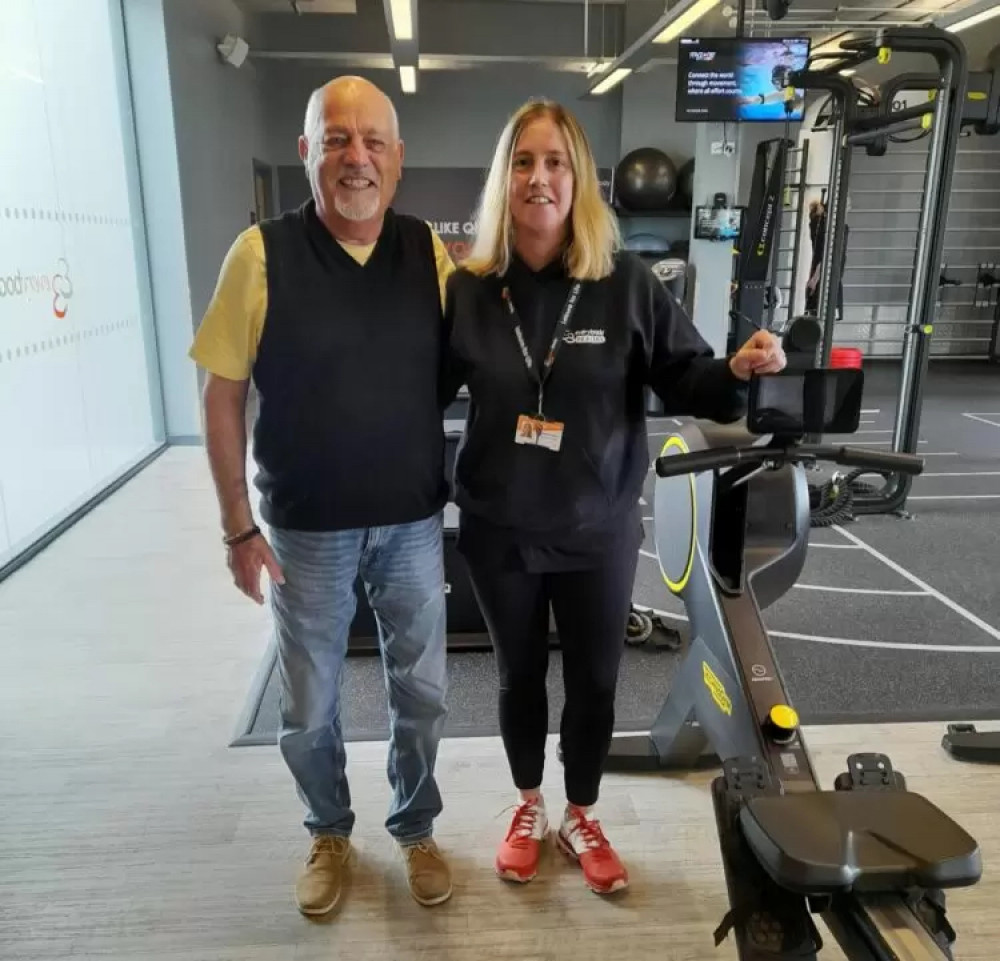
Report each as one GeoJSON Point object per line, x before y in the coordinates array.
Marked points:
{"type": "Point", "coordinates": [922, 643]}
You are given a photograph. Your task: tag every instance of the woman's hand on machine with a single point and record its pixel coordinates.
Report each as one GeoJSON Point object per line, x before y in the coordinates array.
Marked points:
{"type": "Point", "coordinates": [761, 354]}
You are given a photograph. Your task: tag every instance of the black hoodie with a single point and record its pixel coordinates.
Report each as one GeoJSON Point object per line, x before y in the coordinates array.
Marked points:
{"type": "Point", "coordinates": [541, 509]}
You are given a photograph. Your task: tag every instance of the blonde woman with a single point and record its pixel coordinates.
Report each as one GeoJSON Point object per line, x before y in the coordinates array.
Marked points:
{"type": "Point", "coordinates": [556, 332]}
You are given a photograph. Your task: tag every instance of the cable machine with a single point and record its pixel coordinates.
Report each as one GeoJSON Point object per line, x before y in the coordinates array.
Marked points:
{"type": "Point", "coordinates": [860, 125]}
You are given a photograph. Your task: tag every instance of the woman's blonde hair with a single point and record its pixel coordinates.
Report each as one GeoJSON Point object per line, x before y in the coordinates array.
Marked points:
{"type": "Point", "coordinates": [594, 236]}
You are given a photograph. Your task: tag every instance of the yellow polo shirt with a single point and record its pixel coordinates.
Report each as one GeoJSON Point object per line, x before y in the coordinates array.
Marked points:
{"type": "Point", "coordinates": [227, 339]}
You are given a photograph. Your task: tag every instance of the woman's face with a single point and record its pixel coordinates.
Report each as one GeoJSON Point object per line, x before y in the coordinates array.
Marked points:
{"type": "Point", "coordinates": [541, 182]}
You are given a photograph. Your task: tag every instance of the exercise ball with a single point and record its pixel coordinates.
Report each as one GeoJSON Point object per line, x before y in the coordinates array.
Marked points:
{"type": "Point", "coordinates": [685, 183]}
{"type": "Point", "coordinates": [645, 179]}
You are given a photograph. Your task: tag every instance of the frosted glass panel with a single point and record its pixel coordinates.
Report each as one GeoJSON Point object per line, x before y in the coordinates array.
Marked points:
{"type": "Point", "coordinates": [74, 388]}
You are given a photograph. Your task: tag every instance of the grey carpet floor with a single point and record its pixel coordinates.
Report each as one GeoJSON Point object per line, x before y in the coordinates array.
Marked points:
{"type": "Point", "coordinates": [645, 679]}
{"type": "Point", "coordinates": [851, 657]}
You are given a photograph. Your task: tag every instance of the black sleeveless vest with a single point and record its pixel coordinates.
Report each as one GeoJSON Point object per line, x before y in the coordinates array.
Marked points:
{"type": "Point", "coordinates": [349, 431]}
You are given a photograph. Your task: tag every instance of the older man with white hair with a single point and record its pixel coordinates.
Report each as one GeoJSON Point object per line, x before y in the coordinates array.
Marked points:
{"type": "Point", "coordinates": [334, 310]}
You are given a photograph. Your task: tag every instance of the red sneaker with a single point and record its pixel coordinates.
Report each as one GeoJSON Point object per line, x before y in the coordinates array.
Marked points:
{"type": "Point", "coordinates": [517, 857]}
{"type": "Point", "coordinates": [581, 838]}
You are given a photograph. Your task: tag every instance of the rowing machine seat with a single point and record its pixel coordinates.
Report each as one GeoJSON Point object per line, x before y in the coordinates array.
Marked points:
{"type": "Point", "coordinates": [825, 842]}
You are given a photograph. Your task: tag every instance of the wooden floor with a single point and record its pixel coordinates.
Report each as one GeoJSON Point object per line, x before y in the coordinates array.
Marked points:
{"type": "Point", "coordinates": [129, 830]}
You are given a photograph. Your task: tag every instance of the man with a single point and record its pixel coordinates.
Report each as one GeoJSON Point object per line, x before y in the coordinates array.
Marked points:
{"type": "Point", "coordinates": [335, 311]}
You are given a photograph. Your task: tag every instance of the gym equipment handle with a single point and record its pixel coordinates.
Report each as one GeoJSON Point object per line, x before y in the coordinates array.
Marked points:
{"type": "Point", "coordinates": [695, 462]}
{"type": "Point", "coordinates": [879, 460]}
{"type": "Point", "coordinates": [720, 458]}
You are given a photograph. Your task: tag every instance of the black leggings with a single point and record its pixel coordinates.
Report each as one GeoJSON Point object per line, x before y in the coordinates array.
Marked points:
{"type": "Point", "coordinates": [590, 609]}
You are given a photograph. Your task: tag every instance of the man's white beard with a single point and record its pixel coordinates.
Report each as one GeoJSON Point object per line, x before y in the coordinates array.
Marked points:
{"type": "Point", "coordinates": [356, 205]}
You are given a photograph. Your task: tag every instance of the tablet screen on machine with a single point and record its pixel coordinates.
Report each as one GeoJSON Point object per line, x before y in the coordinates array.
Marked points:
{"type": "Point", "coordinates": [796, 402]}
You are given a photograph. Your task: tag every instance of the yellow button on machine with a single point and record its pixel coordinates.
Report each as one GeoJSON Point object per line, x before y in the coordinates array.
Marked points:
{"type": "Point", "coordinates": [783, 718]}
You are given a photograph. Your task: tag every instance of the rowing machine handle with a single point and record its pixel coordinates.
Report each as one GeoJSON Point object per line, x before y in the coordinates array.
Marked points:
{"type": "Point", "coordinates": [880, 460]}
{"type": "Point", "coordinates": [695, 462]}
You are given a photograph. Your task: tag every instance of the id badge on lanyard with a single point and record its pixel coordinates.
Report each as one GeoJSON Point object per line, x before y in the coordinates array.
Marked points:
{"type": "Point", "coordinates": [535, 429]}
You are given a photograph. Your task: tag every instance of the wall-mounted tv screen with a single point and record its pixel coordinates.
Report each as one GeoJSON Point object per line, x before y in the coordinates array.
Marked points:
{"type": "Point", "coordinates": [718, 223]}
{"type": "Point", "coordinates": [738, 79]}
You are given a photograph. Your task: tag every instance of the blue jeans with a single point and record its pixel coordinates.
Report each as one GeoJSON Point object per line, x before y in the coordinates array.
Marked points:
{"type": "Point", "coordinates": [402, 568]}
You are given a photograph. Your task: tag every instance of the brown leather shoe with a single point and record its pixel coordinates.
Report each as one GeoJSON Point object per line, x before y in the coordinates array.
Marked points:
{"type": "Point", "coordinates": [322, 878]}
{"type": "Point", "coordinates": [427, 872]}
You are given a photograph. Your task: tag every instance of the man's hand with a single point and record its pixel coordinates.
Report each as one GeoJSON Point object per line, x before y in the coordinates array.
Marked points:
{"type": "Point", "coordinates": [226, 440]}
{"type": "Point", "coordinates": [246, 561]}
{"type": "Point", "coordinates": [761, 354]}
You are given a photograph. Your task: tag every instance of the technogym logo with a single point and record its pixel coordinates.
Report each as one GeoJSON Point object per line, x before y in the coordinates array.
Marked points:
{"type": "Point", "coordinates": [57, 285]}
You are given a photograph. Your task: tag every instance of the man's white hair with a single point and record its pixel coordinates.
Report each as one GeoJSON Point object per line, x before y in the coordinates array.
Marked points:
{"type": "Point", "coordinates": [313, 126]}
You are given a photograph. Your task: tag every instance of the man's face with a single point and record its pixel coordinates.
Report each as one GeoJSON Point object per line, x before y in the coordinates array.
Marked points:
{"type": "Point", "coordinates": [353, 155]}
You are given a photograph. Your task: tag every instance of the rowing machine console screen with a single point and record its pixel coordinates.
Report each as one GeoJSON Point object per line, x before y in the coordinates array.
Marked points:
{"type": "Point", "coordinates": [798, 402]}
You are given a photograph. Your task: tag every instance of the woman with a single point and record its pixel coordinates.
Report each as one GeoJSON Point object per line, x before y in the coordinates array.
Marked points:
{"type": "Point", "coordinates": [556, 332]}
